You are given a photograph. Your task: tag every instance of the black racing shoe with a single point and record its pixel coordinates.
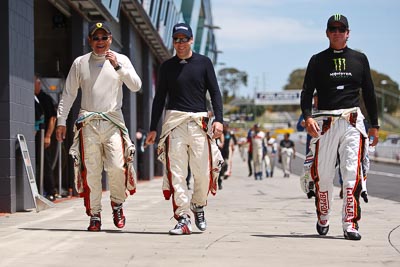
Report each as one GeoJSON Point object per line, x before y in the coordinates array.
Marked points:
{"type": "Point", "coordinates": [199, 218]}
{"type": "Point", "coordinates": [322, 230]}
{"type": "Point", "coordinates": [352, 235]}
{"type": "Point", "coordinates": [310, 194]}
{"type": "Point", "coordinates": [364, 195]}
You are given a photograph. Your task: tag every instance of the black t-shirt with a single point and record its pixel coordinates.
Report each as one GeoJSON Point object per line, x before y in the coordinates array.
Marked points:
{"type": "Point", "coordinates": [182, 86]}
{"type": "Point", "coordinates": [45, 109]}
{"type": "Point", "coordinates": [286, 143]}
{"type": "Point", "coordinates": [338, 76]}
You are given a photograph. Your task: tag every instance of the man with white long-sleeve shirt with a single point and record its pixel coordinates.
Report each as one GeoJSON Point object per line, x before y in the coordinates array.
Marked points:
{"type": "Point", "coordinates": [101, 138]}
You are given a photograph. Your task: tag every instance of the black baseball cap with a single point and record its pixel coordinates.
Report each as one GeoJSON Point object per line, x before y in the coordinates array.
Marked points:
{"type": "Point", "coordinates": [182, 28]}
{"type": "Point", "coordinates": [338, 18]}
{"type": "Point", "coordinates": [98, 26]}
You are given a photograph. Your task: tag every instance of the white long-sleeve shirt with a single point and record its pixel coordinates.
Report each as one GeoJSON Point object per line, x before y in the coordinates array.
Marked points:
{"type": "Point", "coordinates": [101, 85]}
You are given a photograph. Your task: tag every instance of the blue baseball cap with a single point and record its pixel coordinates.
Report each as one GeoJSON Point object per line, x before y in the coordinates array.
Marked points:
{"type": "Point", "coordinates": [182, 28]}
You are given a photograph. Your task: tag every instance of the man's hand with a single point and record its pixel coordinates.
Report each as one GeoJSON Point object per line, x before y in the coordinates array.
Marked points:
{"type": "Point", "coordinates": [312, 127]}
{"type": "Point", "coordinates": [60, 132]}
{"type": "Point", "coordinates": [217, 128]}
{"type": "Point", "coordinates": [112, 58]}
{"type": "Point", "coordinates": [151, 138]}
{"type": "Point", "coordinates": [373, 134]}
{"type": "Point", "coordinates": [47, 142]}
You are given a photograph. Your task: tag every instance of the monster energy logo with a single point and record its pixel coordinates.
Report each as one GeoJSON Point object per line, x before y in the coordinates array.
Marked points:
{"type": "Point", "coordinates": [337, 16]}
{"type": "Point", "coordinates": [340, 64]}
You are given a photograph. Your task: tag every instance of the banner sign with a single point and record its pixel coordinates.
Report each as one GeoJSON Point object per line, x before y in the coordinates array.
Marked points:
{"type": "Point", "coordinates": [287, 97]}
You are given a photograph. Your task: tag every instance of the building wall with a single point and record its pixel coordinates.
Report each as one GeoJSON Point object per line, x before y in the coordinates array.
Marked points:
{"type": "Point", "coordinates": [16, 109]}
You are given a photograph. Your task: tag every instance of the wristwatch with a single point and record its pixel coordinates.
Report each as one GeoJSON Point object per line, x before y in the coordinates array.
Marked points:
{"type": "Point", "coordinates": [117, 67]}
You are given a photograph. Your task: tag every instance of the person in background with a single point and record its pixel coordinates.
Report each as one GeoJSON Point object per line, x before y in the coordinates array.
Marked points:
{"type": "Point", "coordinates": [226, 145]}
{"type": "Point", "coordinates": [186, 137]}
{"type": "Point", "coordinates": [220, 143]}
{"type": "Point", "coordinates": [300, 126]}
{"type": "Point", "coordinates": [338, 132]}
{"type": "Point", "coordinates": [101, 138]}
{"type": "Point", "coordinates": [140, 148]}
{"type": "Point", "coordinates": [242, 144]}
{"type": "Point", "coordinates": [258, 145]}
{"type": "Point", "coordinates": [271, 148]}
{"type": "Point", "coordinates": [232, 143]}
{"type": "Point", "coordinates": [45, 118]}
{"type": "Point", "coordinates": [250, 133]}
{"type": "Point", "coordinates": [286, 152]}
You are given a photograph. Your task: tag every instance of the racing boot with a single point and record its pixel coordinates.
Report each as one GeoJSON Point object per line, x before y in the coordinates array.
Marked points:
{"type": "Point", "coordinates": [311, 192]}
{"type": "Point", "coordinates": [199, 218]}
{"type": "Point", "coordinates": [322, 227]}
{"type": "Point", "coordinates": [183, 227]}
{"type": "Point", "coordinates": [351, 234]}
{"type": "Point", "coordinates": [364, 195]}
{"type": "Point", "coordinates": [118, 215]}
{"type": "Point", "coordinates": [95, 223]}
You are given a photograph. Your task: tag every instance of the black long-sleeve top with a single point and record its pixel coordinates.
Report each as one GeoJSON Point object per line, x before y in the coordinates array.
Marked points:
{"type": "Point", "coordinates": [338, 76]}
{"type": "Point", "coordinates": [183, 84]}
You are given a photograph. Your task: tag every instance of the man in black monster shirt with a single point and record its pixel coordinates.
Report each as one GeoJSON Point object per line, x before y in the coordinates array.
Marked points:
{"type": "Point", "coordinates": [337, 74]}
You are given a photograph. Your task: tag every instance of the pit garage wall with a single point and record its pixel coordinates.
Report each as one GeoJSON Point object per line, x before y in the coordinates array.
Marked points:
{"type": "Point", "coordinates": [16, 101]}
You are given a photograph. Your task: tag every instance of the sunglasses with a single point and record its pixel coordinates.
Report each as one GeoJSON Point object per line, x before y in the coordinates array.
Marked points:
{"type": "Point", "coordinates": [181, 40]}
{"type": "Point", "coordinates": [98, 38]}
{"type": "Point", "coordinates": [333, 29]}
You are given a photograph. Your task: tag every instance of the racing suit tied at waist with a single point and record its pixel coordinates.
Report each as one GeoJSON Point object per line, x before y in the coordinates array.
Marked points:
{"type": "Point", "coordinates": [115, 117]}
{"type": "Point", "coordinates": [352, 115]}
{"type": "Point", "coordinates": [174, 118]}
{"type": "Point", "coordinates": [355, 118]}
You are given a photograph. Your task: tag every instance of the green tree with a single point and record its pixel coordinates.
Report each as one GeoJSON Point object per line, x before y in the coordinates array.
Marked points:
{"type": "Point", "coordinates": [230, 80]}
{"type": "Point", "coordinates": [387, 91]}
{"type": "Point", "coordinates": [296, 79]}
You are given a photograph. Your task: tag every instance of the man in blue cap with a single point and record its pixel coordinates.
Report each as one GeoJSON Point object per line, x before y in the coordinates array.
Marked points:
{"type": "Point", "coordinates": [186, 139]}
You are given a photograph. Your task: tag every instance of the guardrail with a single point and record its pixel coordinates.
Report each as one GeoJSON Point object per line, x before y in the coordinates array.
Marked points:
{"type": "Point", "coordinates": [386, 153]}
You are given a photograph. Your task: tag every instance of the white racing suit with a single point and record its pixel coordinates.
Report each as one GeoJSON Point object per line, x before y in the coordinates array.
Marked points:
{"type": "Point", "coordinates": [342, 133]}
{"type": "Point", "coordinates": [287, 154]}
{"type": "Point", "coordinates": [101, 139]}
{"type": "Point", "coordinates": [185, 139]}
{"type": "Point", "coordinates": [270, 156]}
{"type": "Point", "coordinates": [258, 144]}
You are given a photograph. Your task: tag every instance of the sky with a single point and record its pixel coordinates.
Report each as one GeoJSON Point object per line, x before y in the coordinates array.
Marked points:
{"type": "Point", "coordinates": [268, 39]}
